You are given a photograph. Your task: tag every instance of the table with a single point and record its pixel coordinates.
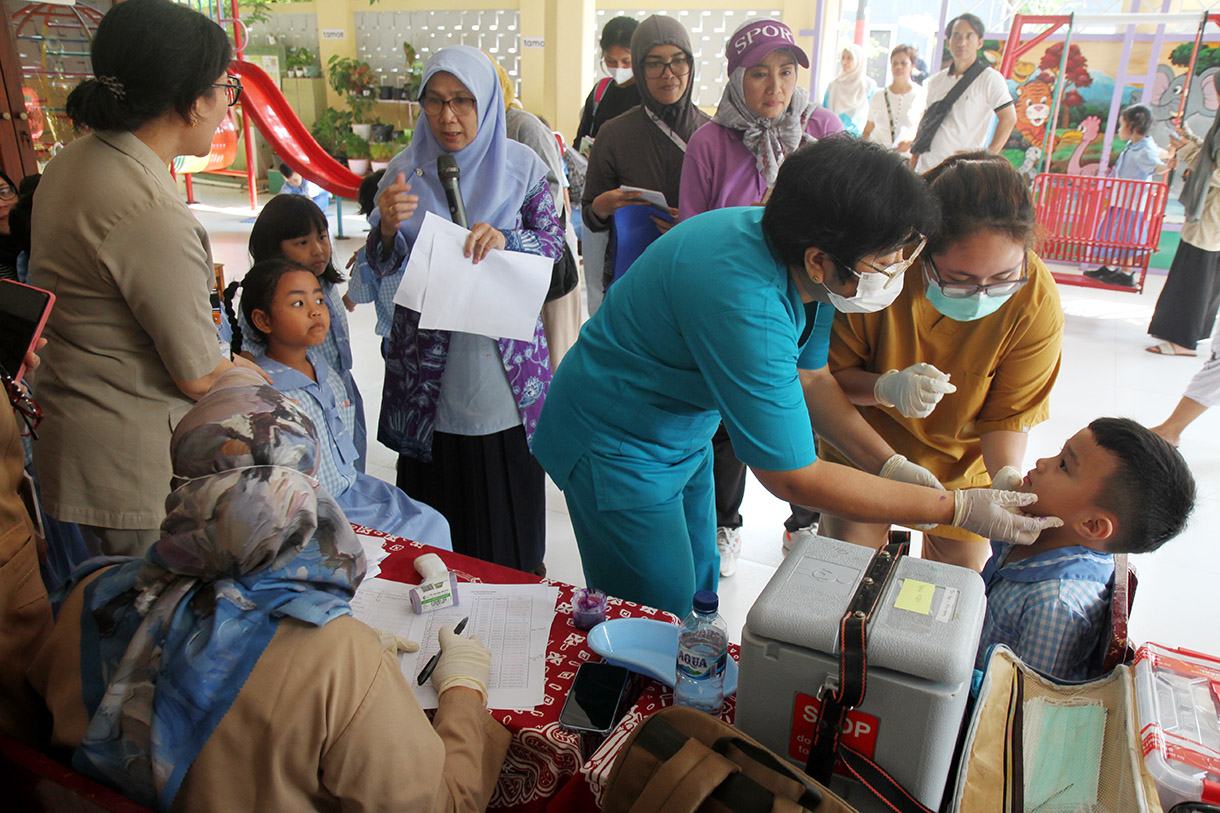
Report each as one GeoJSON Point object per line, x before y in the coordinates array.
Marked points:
{"type": "Point", "coordinates": [544, 769]}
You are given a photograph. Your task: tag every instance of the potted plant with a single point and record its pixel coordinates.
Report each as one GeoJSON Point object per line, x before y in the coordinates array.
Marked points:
{"type": "Point", "coordinates": [381, 153]}
{"type": "Point", "coordinates": [331, 128]}
{"type": "Point", "coordinates": [298, 60]}
{"type": "Point", "coordinates": [354, 79]}
{"type": "Point", "coordinates": [414, 74]}
{"type": "Point", "coordinates": [357, 150]}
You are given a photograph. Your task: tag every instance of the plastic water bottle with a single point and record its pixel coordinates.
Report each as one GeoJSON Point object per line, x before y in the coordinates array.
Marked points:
{"type": "Point", "coordinates": [703, 648]}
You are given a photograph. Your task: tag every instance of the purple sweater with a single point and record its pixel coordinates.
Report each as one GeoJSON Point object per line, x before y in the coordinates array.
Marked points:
{"type": "Point", "coordinates": [719, 171]}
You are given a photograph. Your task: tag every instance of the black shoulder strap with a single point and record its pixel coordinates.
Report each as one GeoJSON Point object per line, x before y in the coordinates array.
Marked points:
{"type": "Point", "coordinates": [934, 114]}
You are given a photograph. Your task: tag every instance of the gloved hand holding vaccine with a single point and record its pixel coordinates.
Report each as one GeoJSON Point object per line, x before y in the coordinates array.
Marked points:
{"type": "Point", "coordinates": [915, 391]}
{"type": "Point", "coordinates": [997, 515]}
{"type": "Point", "coordinates": [464, 662]}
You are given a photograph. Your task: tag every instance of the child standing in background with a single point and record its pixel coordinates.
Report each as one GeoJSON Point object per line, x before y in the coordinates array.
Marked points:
{"type": "Point", "coordinates": [283, 301]}
{"type": "Point", "coordinates": [1139, 161]}
{"type": "Point", "coordinates": [365, 285]}
{"type": "Point", "coordinates": [293, 228]}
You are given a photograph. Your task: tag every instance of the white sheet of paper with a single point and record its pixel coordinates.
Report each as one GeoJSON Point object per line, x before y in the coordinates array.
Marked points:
{"type": "Point", "coordinates": [513, 621]}
{"type": "Point", "coordinates": [410, 293]}
{"type": "Point", "coordinates": [374, 553]}
{"type": "Point", "coordinates": [499, 297]}
{"type": "Point", "coordinates": [653, 197]}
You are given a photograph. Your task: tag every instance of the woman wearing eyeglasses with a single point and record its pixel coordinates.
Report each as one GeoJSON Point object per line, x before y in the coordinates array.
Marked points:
{"type": "Point", "coordinates": [645, 146]}
{"type": "Point", "coordinates": [727, 317]}
{"type": "Point", "coordinates": [459, 408]}
{"type": "Point", "coordinates": [132, 339]}
{"type": "Point", "coordinates": [9, 248]}
{"type": "Point", "coordinates": [956, 372]}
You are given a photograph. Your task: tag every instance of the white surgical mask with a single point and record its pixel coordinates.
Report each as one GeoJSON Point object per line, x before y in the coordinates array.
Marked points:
{"type": "Point", "coordinates": [621, 76]}
{"type": "Point", "coordinates": [871, 294]}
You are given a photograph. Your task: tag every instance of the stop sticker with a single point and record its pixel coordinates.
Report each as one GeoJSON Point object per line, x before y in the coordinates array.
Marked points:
{"type": "Point", "coordinates": [859, 729]}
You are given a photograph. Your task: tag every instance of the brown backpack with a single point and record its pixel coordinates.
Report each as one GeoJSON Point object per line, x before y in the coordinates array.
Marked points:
{"type": "Point", "coordinates": [681, 760]}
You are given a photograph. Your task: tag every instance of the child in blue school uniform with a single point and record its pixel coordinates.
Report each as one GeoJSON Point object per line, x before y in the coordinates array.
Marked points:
{"type": "Point", "coordinates": [293, 228]}
{"type": "Point", "coordinates": [294, 184]}
{"type": "Point", "coordinates": [283, 301]}
{"type": "Point", "coordinates": [365, 285]}
{"type": "Point", "coordinates": [1139, 161]}
{"type": "Point", "coordinates": [1118, 488]}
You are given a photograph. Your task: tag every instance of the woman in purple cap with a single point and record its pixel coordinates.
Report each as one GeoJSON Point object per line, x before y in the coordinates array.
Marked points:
{"type": "Point", "coordinates": [763, 116]}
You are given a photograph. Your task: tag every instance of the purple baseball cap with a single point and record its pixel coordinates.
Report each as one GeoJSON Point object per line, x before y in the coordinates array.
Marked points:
{"type": "Point", "coordinates": [757, 38]}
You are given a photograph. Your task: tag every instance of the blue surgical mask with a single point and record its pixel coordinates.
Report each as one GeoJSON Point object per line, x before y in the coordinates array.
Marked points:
{"type": "Point", "coordinates": [965, 309]}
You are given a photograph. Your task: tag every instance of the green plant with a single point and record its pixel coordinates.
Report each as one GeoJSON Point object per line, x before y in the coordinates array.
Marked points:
{"type": "Point", "coordinates": [299, 58]}
{"type": "Point", "coordinates": [415, 69]}
{"type": "Point", "coordinates": [355, 146]}
{"type": "Point", "coordinates": [331, 128]}
{"type": "Point", "coordinates": [353, 78]}
{"type": "Point", "coordinates": [382, 151]}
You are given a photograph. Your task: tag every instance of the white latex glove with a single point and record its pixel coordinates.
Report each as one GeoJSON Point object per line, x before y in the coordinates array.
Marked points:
{"type": "Point", "coordinates": [395, 644]}
{"type": "Point", "coordinates": [997, 515]}
{"type": "Point", "coordinates": [1007, 479]}
{"type": "Point", "coordinates": [900, 469]}
{"type": "Point", "coordinates": [915, 391]}
{"type": "Point", "coordinates": [464, 662]}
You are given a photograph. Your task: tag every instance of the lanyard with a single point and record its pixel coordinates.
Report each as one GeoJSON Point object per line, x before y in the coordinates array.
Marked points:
{"type": "Point", "coordinates": [665, 128]}
{"type": "Point", "coordinates": [889, 112]}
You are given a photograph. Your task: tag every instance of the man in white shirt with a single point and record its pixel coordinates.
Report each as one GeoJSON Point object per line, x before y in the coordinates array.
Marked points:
{"type": "Point", "coordinates": [966, 124]}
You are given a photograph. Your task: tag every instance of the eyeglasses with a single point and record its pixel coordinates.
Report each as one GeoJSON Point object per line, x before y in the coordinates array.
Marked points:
{"type": "Point", "coordinates": [894, 271]}
{"type": "Point", "coordinates": [7, 192]}
{"type": "Point", "coordinates": [655, 69]}
{"type": "Point", "coordinates": [962, 290]}
{"type": "Point", "coordinates": [460, 105]}
{"type": "Point", "coordinates": [23, 404]}
{"type": "Point", "coordinates": [232, 89]}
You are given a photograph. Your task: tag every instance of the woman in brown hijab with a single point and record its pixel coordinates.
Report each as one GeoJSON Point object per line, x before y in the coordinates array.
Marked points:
{"type": "Point", "coordinates": [645, 146]}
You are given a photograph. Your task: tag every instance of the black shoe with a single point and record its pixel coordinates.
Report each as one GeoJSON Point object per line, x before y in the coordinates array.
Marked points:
{"type": "Point", "coordinates": [1099, 274]}
{"type": "Point", "coordinates": [1122, 279]}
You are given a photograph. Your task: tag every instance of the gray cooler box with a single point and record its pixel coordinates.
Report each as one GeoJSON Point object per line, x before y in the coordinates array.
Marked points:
{"type": "Point", "coordinates": [921, 644]}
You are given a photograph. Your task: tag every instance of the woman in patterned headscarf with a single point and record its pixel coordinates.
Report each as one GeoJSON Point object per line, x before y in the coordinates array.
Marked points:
{"type": "Point", "coordinates": [173, 677]}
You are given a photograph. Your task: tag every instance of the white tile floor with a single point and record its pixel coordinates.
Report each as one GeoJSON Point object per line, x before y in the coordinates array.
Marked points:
{"type": "Point", "coordinates": [1105, 372]}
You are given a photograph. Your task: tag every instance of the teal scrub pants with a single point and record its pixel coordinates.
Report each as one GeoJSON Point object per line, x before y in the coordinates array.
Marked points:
{"type": "Point", "coordinates": [657, 555]}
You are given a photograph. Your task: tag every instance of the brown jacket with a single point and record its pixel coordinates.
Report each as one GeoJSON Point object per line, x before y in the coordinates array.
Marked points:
{"type": "Point", "coordinates": [325, 721]}
{"type": "Point", "coordinates": [25, 614]}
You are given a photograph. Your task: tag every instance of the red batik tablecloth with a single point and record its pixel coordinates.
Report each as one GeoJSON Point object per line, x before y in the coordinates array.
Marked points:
{"type": "Point", "coordinates": [544, 766]}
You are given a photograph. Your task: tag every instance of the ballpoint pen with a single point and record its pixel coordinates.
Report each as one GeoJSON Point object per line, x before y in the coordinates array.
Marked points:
{"type": "Point", "coordinates": [430, 666]}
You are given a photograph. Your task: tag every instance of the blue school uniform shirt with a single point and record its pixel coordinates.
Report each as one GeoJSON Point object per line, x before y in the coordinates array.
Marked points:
{"type": "Point", "coordinates": [707, 325]}
{"type": "Point", "coordinates": [365, 286]}
{"type": "Point", "coordinates": [365, 500]}
{"type": "Point", "coordinates": [1138, 161]}
{"type": "Point", "coordinates": [1051, 609]}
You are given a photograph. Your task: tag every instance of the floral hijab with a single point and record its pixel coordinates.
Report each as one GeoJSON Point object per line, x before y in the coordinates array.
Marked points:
{"type": "Point", "coordinates": [168, 641]}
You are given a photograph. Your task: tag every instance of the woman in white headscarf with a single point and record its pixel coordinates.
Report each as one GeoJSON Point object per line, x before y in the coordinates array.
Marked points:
{"type": "Point", "coordinates": [849, 92]}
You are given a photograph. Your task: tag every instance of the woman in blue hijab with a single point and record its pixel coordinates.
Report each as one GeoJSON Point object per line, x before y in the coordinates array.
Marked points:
{"type": "Point", "coordinates": [223, 671]}
{"type": "Point", "coordinates": [460, 409]}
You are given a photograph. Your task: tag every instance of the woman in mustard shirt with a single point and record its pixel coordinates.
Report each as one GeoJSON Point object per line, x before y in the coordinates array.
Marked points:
{"type": "Point", "coordinates": [958, 369]}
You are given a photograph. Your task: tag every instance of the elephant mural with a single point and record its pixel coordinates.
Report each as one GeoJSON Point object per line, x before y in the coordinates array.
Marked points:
{"type": "Point", "coordinates": [1167, 94]}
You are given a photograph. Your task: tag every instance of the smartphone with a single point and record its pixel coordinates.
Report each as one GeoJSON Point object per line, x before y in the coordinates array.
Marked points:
{"type": "Point", "coordinates": [23, 312]}
{"type": "Point", "coordinates": [595, 702]}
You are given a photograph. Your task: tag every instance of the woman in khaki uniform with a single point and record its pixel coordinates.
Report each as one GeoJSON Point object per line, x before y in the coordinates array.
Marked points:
{"type": "Point", "coordinates": [224, 670]}
{"type": "Point", "coordinates": [132, 339]}
{"type": "Point", "coordinates": [955, 372]}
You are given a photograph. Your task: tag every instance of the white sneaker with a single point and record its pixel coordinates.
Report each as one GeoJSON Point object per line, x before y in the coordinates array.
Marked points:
{"type": "Point", "coordinates": [800, 534]}
{"type": "Point", "coordinates": [728, 541]}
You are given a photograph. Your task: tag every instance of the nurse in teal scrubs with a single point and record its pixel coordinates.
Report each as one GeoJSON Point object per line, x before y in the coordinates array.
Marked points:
{"type": "Point", "coordinates": [727, 317]}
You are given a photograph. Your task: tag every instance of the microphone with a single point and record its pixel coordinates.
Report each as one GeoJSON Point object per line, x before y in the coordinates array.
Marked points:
{"type": "Point", "coordinates": [447, 170]}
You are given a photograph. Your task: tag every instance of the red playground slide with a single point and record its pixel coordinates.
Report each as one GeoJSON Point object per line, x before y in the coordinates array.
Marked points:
{"type": "Point", "coordinates": [269, 111]}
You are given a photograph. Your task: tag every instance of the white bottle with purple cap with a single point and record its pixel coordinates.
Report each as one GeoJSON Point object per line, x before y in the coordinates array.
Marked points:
{"type": "Point", "coordinates": [703, 648]}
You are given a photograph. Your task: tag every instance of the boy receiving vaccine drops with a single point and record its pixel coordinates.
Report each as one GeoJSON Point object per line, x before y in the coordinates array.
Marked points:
{"type": "Point", "coordinates": [283, 301]}
{"type": "Point", "coordinates": [1118, 488]}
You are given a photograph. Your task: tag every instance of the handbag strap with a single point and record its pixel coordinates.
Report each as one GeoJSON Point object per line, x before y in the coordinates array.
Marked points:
{"type": "Point", "coordinates": [811, 797]}
{"type": "Point", "coordinates": [873, 777]}
{"type": "Point", "coordinates": [853, 662]}
{"type": "Point", "coordinates": [889, 111]}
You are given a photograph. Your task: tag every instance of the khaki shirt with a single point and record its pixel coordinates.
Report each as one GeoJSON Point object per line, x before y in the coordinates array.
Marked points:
{"type": "Point", "coordinates": [131, 270]}
{"type": "Point", "coordinates": [1203, 233]}
{"type": "Point", "coordinates": [1004, 366]}
{"type": "Point", "coordinates": [25, 613]}
{"type": "Point", "coordinates": [325, 721]}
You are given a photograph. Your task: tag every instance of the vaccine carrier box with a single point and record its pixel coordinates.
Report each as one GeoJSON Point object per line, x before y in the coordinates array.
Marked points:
{"type": "Point", "coordinates": [921, 645]}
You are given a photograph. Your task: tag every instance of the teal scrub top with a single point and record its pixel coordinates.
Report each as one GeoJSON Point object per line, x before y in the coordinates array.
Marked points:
{"type": "Point", "coordinates": [706, 326]}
